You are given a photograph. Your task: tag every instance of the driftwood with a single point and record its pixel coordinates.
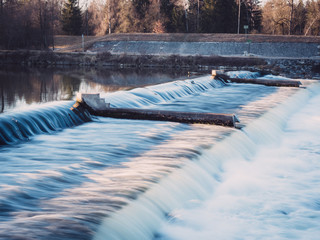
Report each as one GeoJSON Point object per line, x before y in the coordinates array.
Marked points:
{"type": "Point", "coordinates": [158, 115]}
{"type": "Point", "coordinates": [266, 82]}
{"type": "Point", "coordinates": [93, 103]}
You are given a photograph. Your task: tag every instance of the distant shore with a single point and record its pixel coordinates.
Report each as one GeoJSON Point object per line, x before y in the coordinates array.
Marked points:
{"type": "Point", "coordinates": [296, 68]}
{"type": "Point", "coordinates": [123, 51]}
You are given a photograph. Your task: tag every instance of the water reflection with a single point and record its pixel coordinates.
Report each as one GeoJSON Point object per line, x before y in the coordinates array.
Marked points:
{"type": "Point", "coordinates": [21, 86]}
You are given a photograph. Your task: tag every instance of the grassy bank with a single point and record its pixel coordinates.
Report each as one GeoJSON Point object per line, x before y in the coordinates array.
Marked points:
{"type": "Point", "coordinates": [74, 43]}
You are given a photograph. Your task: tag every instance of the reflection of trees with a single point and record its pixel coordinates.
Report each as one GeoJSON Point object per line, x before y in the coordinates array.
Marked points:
{"type": "Point", "coordinates": [43, 91]}
{"type": "Point", "coordinates": [133, 77]}
{"type": "Point", "coordinates": [70, 85]}
{"type": "Point", "coordinates": [2, 96]}
{"type": "Point", "coordinates": [32, 85]}
{"type": "Point", "coordinates": [28, 86]}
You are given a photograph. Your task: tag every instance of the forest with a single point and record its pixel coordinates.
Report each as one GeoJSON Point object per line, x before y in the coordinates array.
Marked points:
{"type": "Point", "coordinates": [31, 24]}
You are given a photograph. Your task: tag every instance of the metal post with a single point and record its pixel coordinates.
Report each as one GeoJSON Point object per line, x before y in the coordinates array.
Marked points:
{"type": "Point", "coordinates": [109, 17]}
{"type": "Point", "coordinates": [186, 16]}
{"type": "Point", "coordinates": [82, 42]}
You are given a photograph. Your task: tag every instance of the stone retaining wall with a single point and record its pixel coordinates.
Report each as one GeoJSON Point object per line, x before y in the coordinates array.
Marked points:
{"type": "Point", "coordinates": [267, 49]}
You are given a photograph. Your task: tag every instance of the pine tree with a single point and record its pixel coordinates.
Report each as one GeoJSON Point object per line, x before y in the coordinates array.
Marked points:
{"type": "Point", "coordinates": [72, 18]}
{"type": "Point", "coordinates": [219, 16]}
{"type": "Point", "coordinates": [251, 15]}
{"type": "Point", "coordinates": [300, 17]}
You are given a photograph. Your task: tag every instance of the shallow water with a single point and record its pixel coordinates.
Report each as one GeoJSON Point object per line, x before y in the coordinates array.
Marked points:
{"type": "Point", "coordinates": [122, 179]}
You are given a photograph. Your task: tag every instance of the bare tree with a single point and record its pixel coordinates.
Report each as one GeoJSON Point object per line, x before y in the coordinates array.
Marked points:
{"type": "Point", "coordinates": [313, 18]}
{"type": "Point", "coordinates": [276, 17]}
{"type": "Point", "coordinates": [96, 14]}
{"type": "Point", "coordinates": [28, 24]}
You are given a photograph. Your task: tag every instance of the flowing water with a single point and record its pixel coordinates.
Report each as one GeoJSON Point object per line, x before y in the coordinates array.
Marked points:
{"type": "Point", "coordinates": [69, 175]}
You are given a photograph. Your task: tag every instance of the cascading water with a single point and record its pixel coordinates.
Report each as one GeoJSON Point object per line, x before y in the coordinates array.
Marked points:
{"type": "Point", "coordinates": [270, 193]}
{"type": "Point", "coordinates": [122, 179]}
{"type": "Point", "coordinates": [161, 93]}
{"type": "Point", "coordinates": [196, 180]}
{"type": "Point", "coordinates": [20, 126]}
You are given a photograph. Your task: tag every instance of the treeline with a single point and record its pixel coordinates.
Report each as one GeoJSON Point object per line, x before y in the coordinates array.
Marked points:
{"type": "Point", "coordinates": [28, 23]}
{"type": "Point", "coordinates": [292, 17]}
{"type": "Point", "coordinates": [33, 23]}
{"type": "Point", "coordinates": [159, 16]}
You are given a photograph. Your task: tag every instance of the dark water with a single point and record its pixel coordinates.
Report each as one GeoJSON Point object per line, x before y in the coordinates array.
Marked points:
{"type": "Point", "coordinates": [21, 86]}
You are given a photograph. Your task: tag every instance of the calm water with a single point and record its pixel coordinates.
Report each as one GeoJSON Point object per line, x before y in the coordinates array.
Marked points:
{"type": "Point", "coordinates": [67, 176]}
{"type": "Point", "coordinates": [21, 86]}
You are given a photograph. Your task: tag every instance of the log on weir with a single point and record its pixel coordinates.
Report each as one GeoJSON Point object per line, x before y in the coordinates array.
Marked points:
{"type": "Point", "coordinates": [97, 107]}
{"type": "Point", "coordinates": [267, 82]}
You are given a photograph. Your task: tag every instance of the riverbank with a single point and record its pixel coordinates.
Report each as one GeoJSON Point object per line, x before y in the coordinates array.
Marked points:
{"type": "Point", "coordinates": [292, 56]}
{"type": "Point", "coordinates": [292, 67]}
{"type": "Point", "coordinates": [67, 43]}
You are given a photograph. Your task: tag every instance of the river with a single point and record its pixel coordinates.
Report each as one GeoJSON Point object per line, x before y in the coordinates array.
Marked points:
{"type": "Point", "coordinates": [68, 177]}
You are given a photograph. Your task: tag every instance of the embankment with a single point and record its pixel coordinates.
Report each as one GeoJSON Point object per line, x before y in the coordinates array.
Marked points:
{"type": "Point", "coordinates": [262, 49]}
{"type": "Point", "coordinates": [123, 60]}
{"type": "Point", "coordinates": [294, 57]}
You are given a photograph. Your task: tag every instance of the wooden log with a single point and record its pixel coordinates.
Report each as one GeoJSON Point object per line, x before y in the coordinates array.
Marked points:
{"type": "Point", "coordinates": [172, 116]}
{"type": "Point", "coordinates": [266, 82]}
{"type": "Point", "coordinates": [228, 120]}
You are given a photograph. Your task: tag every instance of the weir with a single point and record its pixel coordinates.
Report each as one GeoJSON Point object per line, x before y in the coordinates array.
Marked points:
{"type": "Point", "coordinates": [119, 179]}
{"type": "Point", "coordinates": [20, 126]}
{"type": "Point", "coordinates": [98, 107]}
{"type": "Point", "coordinates": [197, 179]}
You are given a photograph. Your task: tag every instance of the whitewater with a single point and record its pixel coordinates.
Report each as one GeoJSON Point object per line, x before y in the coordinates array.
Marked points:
{"type": "Point", "coordinates": [69, 175]}
{"type": "Point", "coordinates": [270, 194]}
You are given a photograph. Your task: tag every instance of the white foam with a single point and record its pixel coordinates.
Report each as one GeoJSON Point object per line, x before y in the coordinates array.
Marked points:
{"type": "Point", "coordinates": [228, 161]}
{"type": "Point", "coordinates": [272, 194]}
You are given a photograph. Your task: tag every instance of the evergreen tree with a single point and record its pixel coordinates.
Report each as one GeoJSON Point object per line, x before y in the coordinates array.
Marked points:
{"type": "Point", "coordinates": [72, 18]}
{"type": "Point", "coordinates": [178, 19]}
{"type": "Point", "coordinates": [174, 16]}
{"type": "Point", "coordinates": [219, 16]}
{"type": "Point", "coordinates": [251, 15]}
{"type": "Point", "coordinates": [140, 9]}
{"type": "Point", "coordinates": [256, 16]}
{"type": "Point", "coordinates": [300, 16]}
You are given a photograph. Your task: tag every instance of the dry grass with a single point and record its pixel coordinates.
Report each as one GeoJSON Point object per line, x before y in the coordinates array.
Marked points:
{"type": "Point", "coordinates": [73, 43]}
{"type": "Point", "coordinates": [191, 37]}
{"type": "Point", "coordinates": [65, 43]}
{"type": "Point", "coordinates": [202, 37]}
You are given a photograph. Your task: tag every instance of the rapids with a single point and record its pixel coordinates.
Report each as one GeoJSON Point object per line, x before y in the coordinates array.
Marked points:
{"type": "Point", "coordinates": [102, 178]}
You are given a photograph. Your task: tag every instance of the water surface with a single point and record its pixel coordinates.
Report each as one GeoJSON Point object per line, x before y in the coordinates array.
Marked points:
{"type": "Point", "coordinates": [109, 178]}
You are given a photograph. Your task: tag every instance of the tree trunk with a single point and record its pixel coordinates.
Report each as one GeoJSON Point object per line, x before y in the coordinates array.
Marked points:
{"type": "Point", "coordinates": [158, 115]}
{"type": "Point", "coordinates": [310, 26]}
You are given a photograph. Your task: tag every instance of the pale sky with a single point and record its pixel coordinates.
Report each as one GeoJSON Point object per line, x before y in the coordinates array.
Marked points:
{"type": "Point", "coordinates": [83, 2]}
